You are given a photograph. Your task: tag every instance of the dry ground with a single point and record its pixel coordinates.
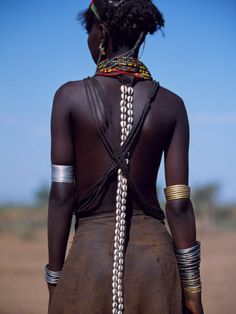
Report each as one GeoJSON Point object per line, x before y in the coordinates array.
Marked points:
{"type": "Point", "coordinates": [22, 287]}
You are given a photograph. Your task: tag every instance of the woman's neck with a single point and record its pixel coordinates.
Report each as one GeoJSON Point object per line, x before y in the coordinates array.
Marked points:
{"type": "Point", "coordinates": [122, 50]}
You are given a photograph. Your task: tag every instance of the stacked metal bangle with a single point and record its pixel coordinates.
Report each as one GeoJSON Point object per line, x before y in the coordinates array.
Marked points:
{"type": "Point", "coordinates": [189, 266]}
{"type": "Point", "coordinates": [178, 191]}
{"type": "Point", "coordinates": [52, 277]}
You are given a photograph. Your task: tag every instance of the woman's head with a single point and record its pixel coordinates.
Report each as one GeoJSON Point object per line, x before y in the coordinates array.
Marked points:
{"type": "Point", "coordinates": [120, 22]}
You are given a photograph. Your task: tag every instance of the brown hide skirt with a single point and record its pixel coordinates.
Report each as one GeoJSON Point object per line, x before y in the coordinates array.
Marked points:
{"type": "Point", "coordinates": [151, 278]}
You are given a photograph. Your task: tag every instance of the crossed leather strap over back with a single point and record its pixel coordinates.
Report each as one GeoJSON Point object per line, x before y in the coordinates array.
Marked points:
{"type": "Point", "coordinates": [102, 117]}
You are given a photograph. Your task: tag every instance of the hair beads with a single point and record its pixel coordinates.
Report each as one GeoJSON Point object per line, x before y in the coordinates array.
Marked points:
{"type": "Point", "coordinates": [126, 123]}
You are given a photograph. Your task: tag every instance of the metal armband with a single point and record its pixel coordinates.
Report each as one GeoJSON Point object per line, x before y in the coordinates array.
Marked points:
{"type": "Point", "coordinates": [62, 174]}
{"type": "Point", "coordinates": [176, 192]}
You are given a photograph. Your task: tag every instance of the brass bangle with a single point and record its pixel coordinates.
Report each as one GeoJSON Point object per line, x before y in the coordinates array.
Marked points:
{"type": "Point", "coordinates": [178, 191]}
{"type": "Point", "coordinates": [193, 289]}
{"type": "Point", "coordinates": [193, 292]}
{"type": "Point", "coordinates": [191, 280]}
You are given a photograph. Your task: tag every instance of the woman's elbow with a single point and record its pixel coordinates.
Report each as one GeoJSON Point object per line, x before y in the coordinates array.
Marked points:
{"type": "Point", "coordinates": [62, 195]}
{"type": "Point", "coordinates": [178, 207]}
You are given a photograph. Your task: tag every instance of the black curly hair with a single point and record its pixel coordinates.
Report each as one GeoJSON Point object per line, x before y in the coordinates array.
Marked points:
{"type": "Point", "coordinates": [126, 21]}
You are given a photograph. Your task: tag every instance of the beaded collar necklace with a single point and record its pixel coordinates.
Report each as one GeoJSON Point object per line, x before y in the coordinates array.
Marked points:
{"type": "Point", "coordinates": [124, 65]}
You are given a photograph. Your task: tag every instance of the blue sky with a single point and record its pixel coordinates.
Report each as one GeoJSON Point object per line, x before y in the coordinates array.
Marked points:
{"type": "Point", "coordinates": [43, 46]}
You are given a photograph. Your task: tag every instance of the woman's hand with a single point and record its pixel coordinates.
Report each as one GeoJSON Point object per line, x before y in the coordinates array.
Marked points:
{"type": "Point", "coordinates": [51, 290]}
{"type": "Point", "coordinates": [193, 303]}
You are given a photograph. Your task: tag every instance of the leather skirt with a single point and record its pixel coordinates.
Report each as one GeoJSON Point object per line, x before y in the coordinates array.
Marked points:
{"type": "Point", "coordinates": [151, 277]}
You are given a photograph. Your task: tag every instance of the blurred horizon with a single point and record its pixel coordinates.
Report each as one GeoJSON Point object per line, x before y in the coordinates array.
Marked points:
{"type": "Point", "coordinates": [43, 46]}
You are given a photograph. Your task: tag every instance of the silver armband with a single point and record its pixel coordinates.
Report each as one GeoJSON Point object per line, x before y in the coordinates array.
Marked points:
{"type": "Point", "coordinates": [51, 277]}
{"type": "Point", "coordinates": [62, 174]}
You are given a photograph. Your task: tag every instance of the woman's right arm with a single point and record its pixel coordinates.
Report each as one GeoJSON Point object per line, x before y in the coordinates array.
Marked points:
{"type": "Point", "coordinates": [62, 195]}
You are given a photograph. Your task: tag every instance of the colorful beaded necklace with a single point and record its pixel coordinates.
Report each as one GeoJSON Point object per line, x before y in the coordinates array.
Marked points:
{"type": "Point", "coordinates": [123, 65]}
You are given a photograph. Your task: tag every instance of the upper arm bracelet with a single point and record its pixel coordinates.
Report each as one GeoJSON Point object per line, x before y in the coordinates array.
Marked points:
{"type": "Point", "coordinates": [62, 174]}
{"type": "Point", "coordinates": [178, 191]}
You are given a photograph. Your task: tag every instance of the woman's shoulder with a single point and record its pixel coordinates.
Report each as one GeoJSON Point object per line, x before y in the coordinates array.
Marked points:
{"type": "Point", "coordinates": [69, 92]}
{"type": "Point", "coordinates": [170, 100]}
{"type": "Point", "coordinates": [169, 96]}
{"type": "Point", "coordinates": [69, 88]}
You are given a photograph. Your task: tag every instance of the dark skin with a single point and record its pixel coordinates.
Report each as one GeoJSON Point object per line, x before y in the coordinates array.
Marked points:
{"type": "Point", "coordinates": [165, 130]}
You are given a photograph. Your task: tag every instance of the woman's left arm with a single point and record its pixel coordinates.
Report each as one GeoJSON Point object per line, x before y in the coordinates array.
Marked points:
{"type": "Point", "coordinates": [179, 209]}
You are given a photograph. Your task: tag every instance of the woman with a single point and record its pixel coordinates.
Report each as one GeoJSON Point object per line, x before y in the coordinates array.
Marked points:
{"type": "Point", "coordinates": [108, 136]}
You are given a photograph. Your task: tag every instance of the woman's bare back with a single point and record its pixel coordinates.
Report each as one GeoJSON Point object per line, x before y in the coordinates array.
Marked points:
{"type": "Point", "coordinates": [90, 155]}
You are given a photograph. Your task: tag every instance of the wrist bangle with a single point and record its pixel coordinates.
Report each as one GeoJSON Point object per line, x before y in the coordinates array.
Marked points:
{"type": "Point", "coordinates": [188, 261]}
{"type": "Point", "coordinates": [188, 250]}
{"type": "Point", "coordinates": [52, 277]}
